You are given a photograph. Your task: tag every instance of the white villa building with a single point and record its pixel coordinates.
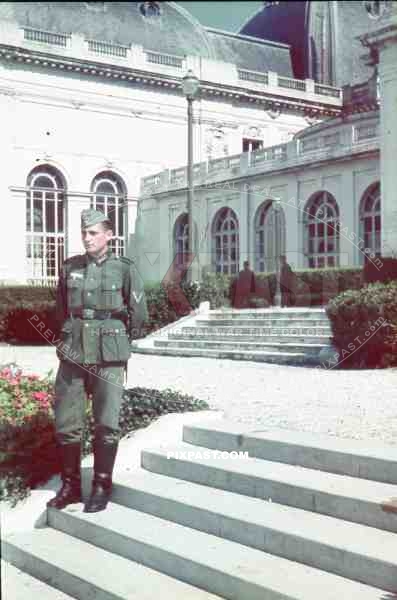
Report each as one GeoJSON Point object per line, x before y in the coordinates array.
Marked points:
{"type": "Point", "coordinates": [94, 115]}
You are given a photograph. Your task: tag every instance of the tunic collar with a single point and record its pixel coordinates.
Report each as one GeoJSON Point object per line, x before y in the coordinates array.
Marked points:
{"type": "Point", "coordinates": [99, 261]}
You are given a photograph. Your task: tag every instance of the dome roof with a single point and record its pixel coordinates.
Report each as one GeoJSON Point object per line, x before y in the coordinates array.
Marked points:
{"type": "Point", "coordinates": [323, 37]}
{"type": "Point", "coordinates": [174, 31]}
{"type": "Point", "coordinates": [284, 22]}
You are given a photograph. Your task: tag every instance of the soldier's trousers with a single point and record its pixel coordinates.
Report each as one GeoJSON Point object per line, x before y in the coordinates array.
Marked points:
{"type": "Point", "coordinates": [72, 384]}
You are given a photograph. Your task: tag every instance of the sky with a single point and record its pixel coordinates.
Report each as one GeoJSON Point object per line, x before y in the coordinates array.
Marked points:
{"type": "Point", "coordinates": [222, 15]}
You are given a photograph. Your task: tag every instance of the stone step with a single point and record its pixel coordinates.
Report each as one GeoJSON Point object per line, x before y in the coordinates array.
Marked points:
{"type": "Point", "coordinates": [275, 312]}
{"type": "Point", "coordinates": [353, 551]}
{"type": "Point", "coordinates": [213, 335]}
{"type": "Point", "coordinates": [320, 329]}
{"type": "Point", "coordinates": [352, 499]}
{"type": "Point", "coordinates": [84, 570]}
{"type": "Point", "coordinates": [280, 357]}
{"type": "Point", "coordinates": [257, 322]}
{"type": "Point", "coordinates": [213, 564]}
{"type": "Point", "coordinates": [313, 348]}
{"type": "Point", "coordinates": [356, 458]}
{"type": "Point", "coordinates": [18, 585]}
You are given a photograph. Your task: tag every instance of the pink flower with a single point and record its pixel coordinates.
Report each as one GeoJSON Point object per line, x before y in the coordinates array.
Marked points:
{"type": "Point", "coordinates": [40, 396]}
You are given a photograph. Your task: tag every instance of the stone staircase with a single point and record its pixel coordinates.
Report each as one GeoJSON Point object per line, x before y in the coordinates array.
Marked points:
{"type": "Point", "coordinates": [283, 336]}
{"type": "Point", "coordinates": [298, 517]}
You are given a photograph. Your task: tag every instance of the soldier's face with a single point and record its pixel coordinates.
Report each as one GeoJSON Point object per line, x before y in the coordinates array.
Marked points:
{"type": "Point", "coordinates": [96, 239]}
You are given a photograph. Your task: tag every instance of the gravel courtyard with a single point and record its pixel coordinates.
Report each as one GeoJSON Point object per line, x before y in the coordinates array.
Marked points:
{"type": "Point", "coordinates": [355, 404]}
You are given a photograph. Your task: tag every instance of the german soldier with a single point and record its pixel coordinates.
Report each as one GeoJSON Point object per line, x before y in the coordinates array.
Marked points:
{"type": "Point", "coordinates": [100, 300]}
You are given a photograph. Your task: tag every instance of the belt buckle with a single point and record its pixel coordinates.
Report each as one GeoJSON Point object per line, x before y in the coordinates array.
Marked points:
{"type": "Point", "coordinates": [88, 313]}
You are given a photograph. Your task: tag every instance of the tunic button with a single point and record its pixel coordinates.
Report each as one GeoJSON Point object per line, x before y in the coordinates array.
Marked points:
{"type": "Point", "coordinates": [85, 324]}
{"type": "Point", "coordinates": [116, 330]}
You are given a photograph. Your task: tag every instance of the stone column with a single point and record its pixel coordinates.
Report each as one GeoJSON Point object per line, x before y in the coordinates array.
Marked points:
{"type": "Point", "coordinates": [382, 43]}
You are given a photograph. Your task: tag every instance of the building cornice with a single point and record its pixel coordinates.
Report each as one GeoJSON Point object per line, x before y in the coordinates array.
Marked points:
{"type": "Point", "coordinates": [268, 99]}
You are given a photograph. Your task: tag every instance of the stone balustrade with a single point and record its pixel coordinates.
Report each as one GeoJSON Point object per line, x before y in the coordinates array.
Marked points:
{"type": "Point", "coordinates": [136, 58]}
{"type": "Point", "coordinates": [357, 137]}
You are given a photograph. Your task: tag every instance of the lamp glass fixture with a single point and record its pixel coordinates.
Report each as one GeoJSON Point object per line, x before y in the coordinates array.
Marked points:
{"type": "Point", "coordinates": [190, 84]}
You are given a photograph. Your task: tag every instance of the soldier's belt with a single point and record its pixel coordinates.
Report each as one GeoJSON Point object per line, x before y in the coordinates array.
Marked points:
{"type": "Point", "coordinates": [91, 313]}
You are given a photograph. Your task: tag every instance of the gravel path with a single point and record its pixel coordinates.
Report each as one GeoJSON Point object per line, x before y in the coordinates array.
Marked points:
{"type": "Point", "coordinates": [351, 404]}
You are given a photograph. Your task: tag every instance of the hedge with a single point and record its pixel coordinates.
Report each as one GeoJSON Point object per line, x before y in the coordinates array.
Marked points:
{"type": "Point", "coordinates": [364, 325]}
{"type": "Point", "coordinates": [167, 304]}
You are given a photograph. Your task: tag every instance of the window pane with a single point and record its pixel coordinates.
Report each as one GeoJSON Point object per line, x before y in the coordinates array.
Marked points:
{"type": "Point", "coordinates": [43, 182]}
{"type": "Point", "coordinates": [368, 224]}
{"type": "Point", "coordinates": [60, 210]}
{"type": "Point", "coordinates": [37, 215]}
{"type": "Point", "coordinates": [331, 230]}
{"type": "Point", "coordinates": [50, 216]}
{"type": "Point", "coordinates": [105, 187]}
{"type": "Point", "coordinates": [121, 221]}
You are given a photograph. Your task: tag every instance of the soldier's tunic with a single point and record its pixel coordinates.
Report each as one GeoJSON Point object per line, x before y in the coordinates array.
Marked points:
{"type": "Point", "coordinates": [99, 305]}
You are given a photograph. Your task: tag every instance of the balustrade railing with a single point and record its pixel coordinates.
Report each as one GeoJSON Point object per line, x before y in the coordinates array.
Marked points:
{"type": "Point", "coordinates": [327, 90]}
{"type": "Point", "coordinates": [292, 84]}
{"type": "Point", "coordinates": [290, 151]}
{"type": "Point", "coordinates": [46, 37]}
{"type": "Point", "coordinates": [168, 60]}
{"type": "Point", "coordinates": [255, 76]}
{"type": "Point", "coordinates": [107, 48]}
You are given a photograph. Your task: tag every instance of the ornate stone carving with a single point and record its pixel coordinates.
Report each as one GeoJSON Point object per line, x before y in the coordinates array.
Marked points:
{"type": "Point", "coordinates": [216, 142]}
{"type": "Point", "coordinates": [253, 132]}
{"type": "Point", "coordinates": [379, 8]}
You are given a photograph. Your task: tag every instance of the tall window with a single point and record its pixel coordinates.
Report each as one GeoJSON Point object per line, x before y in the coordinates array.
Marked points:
{"type": "Point", "coordinates": [370, 222]}
{"type": "Point", "coordinates": [269, 236]}
{"type": "Point", "coordinates": [109, 196]}
{"type": "Point", "coordinates": [225, 240]}
{"type": "Point", "coordinates": [45, 224]}
{"type": "Point", "coordinates": [181, 239]}
{"type": "Point", "coordinates": [321, 221]}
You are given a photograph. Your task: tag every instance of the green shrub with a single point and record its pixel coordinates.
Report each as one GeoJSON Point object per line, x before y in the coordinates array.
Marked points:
{"type": "Point", "coordinates": [167, 304]}
{"type": "Point", "coordinates": [29, 454]}
{"type": "Point", "coordinates": [364, 325]}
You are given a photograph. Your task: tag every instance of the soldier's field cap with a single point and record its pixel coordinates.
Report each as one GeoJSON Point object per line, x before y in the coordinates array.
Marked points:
{"type": "Point", "coordinates": [90, 217]}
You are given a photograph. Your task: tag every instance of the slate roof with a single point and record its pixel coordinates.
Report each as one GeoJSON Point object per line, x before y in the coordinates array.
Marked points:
{"type": "Point", "coordinates": [174, 32]}
{"type": "Point", "coordinates": [250, 53]}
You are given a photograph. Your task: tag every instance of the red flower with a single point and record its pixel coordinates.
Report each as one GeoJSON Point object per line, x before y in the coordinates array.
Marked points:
{"type": "Point", "coordinates": [40, 396]}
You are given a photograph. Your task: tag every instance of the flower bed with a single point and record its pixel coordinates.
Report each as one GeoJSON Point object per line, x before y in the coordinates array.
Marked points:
{"type": "Point", "coordinates": [29, 454]}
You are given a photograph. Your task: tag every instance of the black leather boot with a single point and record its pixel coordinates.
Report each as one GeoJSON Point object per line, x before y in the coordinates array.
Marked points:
{"type": "Point", "coordinates": [70, 491]}
{"type": "Point", "coordinates": [104, 459]}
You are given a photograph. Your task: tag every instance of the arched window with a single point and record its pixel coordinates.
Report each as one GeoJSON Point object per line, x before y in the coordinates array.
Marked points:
{"type": "Point", "coordinates": [370, 222]}
{"type": "Point", "coordinates": [225, 240]}
{"type": "Point", "coordinates": [269, 236]}
{"type": "Point", "coordinates": [321, 222]}
{"type": "Point", "coordinates": [181, 239]}
{"type": "Point", "coordinates": [109, 196]}
{"type": "Point", "coordinates": [45, 223]}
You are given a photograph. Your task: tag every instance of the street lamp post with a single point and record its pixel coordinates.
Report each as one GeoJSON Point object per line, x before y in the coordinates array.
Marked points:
{"type": "Point", "coordinates": [277, 240]}
{"type": "Point", "coordinates": [190, 86]}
